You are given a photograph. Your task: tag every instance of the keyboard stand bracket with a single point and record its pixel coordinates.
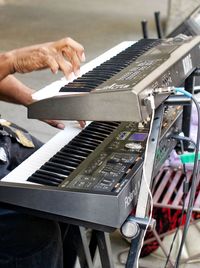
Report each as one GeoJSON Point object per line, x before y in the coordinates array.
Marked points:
{"type": "Point", "coordinates": [135, 226]}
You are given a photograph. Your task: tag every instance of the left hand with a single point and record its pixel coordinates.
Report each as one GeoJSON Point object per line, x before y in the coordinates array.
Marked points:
{"type": "Point", "coordinates": [60, 125]}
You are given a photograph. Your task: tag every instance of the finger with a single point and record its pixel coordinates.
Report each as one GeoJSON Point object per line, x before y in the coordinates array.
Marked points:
{"type": "Point", "coordinates": [60, 125]}
{"type": "Point", "coordinates": [74, 45]}
{"type": "Point", "coordinates": [55, 123]}
{"type": "Point", "coordinates": [82, 123]}
{"type": "Point", "coordinates": [73, 58]}
{"type": "Point", "coordinates": [65, 67]}
{"type": "Point", "coordinates": [52, 64]}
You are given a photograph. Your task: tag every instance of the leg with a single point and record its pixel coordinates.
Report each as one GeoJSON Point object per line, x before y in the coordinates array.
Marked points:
{"type": "Point", "coordinates": [29, 242]}
{"type": "Point", "coordinates": [69, 248]}
{"type": "Point", "coordinates": [26, 241]}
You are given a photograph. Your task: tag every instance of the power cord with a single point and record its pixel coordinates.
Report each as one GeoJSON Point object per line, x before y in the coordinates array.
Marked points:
{"type": "Point", "coordinates": [193, 186]}
{"type": "Point", "coordinates": [195, 168]}
{"type": "Point", "coordinates": [194, 177]}
{"type": "Point", "coordinates": [180, 138]}
{"type": "Point", "coordinates": [152, 104]}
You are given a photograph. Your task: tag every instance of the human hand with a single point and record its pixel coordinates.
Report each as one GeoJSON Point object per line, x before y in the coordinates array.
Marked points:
{"type": "Point", "coordinates": [65, 55]}
{"type": "Point", "coordinates": [60, 125]}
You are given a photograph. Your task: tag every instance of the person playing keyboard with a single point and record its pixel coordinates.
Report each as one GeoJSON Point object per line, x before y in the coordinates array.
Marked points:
{"type": "Point", "coordinates": [28, 241]}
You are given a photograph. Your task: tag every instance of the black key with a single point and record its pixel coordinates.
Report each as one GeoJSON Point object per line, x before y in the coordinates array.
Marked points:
{"type": "Point", "coordinates": [69, 157]}
{"type": "Point", "coordinates": [42, 181]}
{"type": "Point", "coordinates": [49, 166]}
{"type": "Point", "coordinates": [49, 175]}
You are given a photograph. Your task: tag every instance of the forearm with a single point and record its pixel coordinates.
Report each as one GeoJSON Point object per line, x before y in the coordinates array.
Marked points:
{"type": "Point", "coordinates": [5, 65]}
{"type": "Point", "coordinates": [12, 90]}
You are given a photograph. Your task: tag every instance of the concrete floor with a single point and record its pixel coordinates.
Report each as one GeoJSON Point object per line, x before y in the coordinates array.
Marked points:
{"type": "Point", "coordinates": [98, 25]}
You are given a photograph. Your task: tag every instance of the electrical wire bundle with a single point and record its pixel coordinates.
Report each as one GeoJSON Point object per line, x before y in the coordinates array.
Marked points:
{"type": "Point", "coordinates": [181, 139]}
{"type": "Point", "coordinates": [186, 184]}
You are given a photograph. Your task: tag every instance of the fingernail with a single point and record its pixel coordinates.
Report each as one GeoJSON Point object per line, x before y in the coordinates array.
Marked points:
{"type": "Point", "coordinates": [60, 126]}
{"type": "Point", "coordinates": [77, 72]}
{"type": "Point", "coordinates": [83, 57]}
{"type": "Point", "coordinates": [83, 123]}
{"type": "Point", "coordinates": [54, 71]}
{"type": "Point", "coordinates": [70, 76]}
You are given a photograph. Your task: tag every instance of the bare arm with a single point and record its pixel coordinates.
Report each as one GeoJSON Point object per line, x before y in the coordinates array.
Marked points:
{"type": "Point", "coordinates": [5, 65]}
{"type": "Point", "coordinates": [65, 55]}
{"type": "Point", "coordinates": [12, 90]}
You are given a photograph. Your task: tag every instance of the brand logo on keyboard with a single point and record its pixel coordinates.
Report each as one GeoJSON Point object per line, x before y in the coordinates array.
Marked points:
{"type": "Point", "coordinates": [132, 195]}
{"type": "Point", "coordinates": [128, 199]}
{"type": "Point", "coordinates": [187, 64]}
{"type": "Point", "coordinates": [114, 87]}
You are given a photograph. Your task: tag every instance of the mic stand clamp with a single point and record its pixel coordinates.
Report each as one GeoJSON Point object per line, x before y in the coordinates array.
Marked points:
{"type": "Point", "coordinates": [131, 228]}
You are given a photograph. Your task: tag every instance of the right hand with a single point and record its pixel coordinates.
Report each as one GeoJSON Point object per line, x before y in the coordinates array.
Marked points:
{"type": "Point", "coordinates": [65, 55]}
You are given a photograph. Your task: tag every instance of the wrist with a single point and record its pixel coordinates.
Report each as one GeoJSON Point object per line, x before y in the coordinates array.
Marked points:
{"type": "Point", "coordinates": [12, 90]}
{"type": "Point", "coordinates": [29, 100]}
{"type": "Point", "coordinates": [27, 97]}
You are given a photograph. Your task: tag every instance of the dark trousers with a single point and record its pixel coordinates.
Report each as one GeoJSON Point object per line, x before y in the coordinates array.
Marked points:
{"type": "Point", "coordinates": [26, 241]}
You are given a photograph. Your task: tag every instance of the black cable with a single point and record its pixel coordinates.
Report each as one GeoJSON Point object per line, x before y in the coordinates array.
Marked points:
{"type": "Point", "coordinates": [177, 229]}
{"type": "Point", "coordinates": [193, 187]}
{"type": "Point", "coordinates": [183, 205]}
{"type": "Point", "coordinates": [182, 138]}
{"type": "Point", "coordinates": [184, 166]}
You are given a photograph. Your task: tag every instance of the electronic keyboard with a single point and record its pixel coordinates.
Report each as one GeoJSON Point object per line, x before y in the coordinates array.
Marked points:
{"type": "Point", "coordinates": [92, 175]}
{"type": "Point", "coordinates": [117, 89]}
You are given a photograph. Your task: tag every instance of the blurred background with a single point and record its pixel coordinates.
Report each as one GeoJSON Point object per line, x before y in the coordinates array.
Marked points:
{"type": "Point", "coordinates": [98, 25]}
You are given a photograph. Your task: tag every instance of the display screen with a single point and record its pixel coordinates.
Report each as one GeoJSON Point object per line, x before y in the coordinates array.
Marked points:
{"type": "Point", "coordinates": [138, 137]}
{"type": "Point", "coordinates": [123, 135]}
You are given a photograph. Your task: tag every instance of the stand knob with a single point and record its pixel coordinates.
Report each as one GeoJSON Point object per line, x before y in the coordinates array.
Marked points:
{"type": "Point", "coordinates": [130, 229]}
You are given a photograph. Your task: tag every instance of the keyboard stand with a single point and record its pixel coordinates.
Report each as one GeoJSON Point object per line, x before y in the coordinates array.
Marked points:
{"type": "Point", "coordinates": [85, 248]}
{"type": "Point", "coordinates": [141, 220]}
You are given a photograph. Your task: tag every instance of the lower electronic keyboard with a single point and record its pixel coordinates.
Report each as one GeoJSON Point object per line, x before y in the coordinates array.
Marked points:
{"type": "Point", "coordinates": [93, 177]}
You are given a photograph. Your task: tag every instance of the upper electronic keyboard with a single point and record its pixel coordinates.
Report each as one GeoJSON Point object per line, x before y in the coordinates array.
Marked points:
{"type": "Point", "coordinates": [116, 90]}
